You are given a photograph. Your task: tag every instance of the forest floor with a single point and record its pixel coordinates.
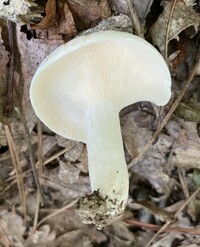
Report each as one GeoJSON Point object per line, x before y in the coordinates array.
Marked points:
{"type": "Point", "coordinates": [162, 145]}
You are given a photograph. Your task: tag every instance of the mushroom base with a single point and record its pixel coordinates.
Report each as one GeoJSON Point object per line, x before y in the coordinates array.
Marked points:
{"type": "Point", "coordinates": [93, 209]}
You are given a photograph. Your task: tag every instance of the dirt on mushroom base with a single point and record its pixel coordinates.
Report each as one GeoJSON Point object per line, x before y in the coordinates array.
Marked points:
{"type": "Point", "coordinates": [93, 209]}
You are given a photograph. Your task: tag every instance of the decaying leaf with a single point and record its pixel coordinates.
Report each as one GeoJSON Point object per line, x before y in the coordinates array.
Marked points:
{"type": "Point", "coordinates": [58, 21]}
{"type": "Point", "coordinates": [88, 12]}
{"type": "Point", "coordinates": [190, 111]}
{"type": "Point", "coordinates": [118, 23]}
{"type": "Point", "coordinates": [134, 137]}
{"type": "Point", "coordinates": [142, 8]}
{"type": "Point", "coordinates": [165, 241]}
{"type": "Point", "coordinates": [50, 17]}
{"type": "Point", "coordinates": [32, 53]}
{"type": "Point", "coordinates": [119, 7]}
{"type": "Point", "coordinates": [68, 173]}
{"type": "Point", "coordinates": [13, 226]}
{"type": "Point", "coordinates": [73, 238]}
{"type": "Point", "coordinates": [43, 237]}
{"type": "Point", "coordinates": [183, 17]}
{"type": "Point", "coordinates": [186, 151]}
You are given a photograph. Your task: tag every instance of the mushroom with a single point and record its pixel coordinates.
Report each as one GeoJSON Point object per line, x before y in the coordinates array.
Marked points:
{"type": "Point", "coordinates": [78, 91]}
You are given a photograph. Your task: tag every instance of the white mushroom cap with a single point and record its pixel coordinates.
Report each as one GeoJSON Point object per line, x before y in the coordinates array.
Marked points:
{"type": "Point", "coordinates": [103, 66]}
{"type": "Point", "coordinates": [78, 92]}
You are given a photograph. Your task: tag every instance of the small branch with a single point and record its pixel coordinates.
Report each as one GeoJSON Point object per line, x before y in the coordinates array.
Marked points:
{"type": "Point", "coordinates": [10, 74]}
{"type": "Point", "coordinates": [192, 231]}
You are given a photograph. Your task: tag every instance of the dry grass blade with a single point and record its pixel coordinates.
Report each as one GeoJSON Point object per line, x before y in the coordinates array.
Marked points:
{"type": "Point", "coordinates": [17, 166]}
{"type": "Point", "coordinates": [12, 179]}
{"type": "Point", "coordinates": [135, 20]}
{"type": "Point", "coordinates": [32, 158]}
{"type": "Point", "coordinates": [168, 30]}
{"type": "Point", "coordinates": [58, 211]}
{"type": "Point", "coordinates": [169, 114]}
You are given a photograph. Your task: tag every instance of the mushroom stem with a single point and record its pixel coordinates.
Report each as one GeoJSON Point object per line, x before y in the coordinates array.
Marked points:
{"type": "Point", "coordinates": [107, 167]}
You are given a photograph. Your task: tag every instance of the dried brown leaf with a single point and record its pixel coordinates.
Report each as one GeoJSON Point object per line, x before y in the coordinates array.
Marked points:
{"type": "Point", "coordinates": [186, 151]}
{"type": "Point", "coordinates": [118, 23]}
{"type": "Point", "coordinates": [183, 17]}
{"type": "Point", "coordinates": [142, 8]}
{"type": "Point", "coordinates": [75, 149]}
{"type": "Point", "coordinates": [134, 137]}
{"type": "Point", "coordinates": [88, 12]}
{"type": "Point", "coordinates": [57, 22]}
{"type": "Point", "coordinates": [119, 7]}
{"type": "Point", "coordinates": [68, 173]}
{"type": "Point", "coordinates": [50, 18]}
{"type": "Point", "coordinates": [121, 236]}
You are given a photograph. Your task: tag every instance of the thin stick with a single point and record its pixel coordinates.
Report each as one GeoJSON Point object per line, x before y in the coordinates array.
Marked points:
{"type": "Point", "coordinates": [134, 19]}
{"type": "Point", "coordinates": [168, 29]}
{"type": "Point", "coordinates": [168, 115]}
{"type": "Point", "coordinates": [182, 181]}
{"type": "Point", "coordinates": [10, 74]}
{"type": "Point", "coordinates": [40, 160]}
{"type": "Point", "coordinates": [168, 229]}
{"type": "Point", "coordinates": [17, 166]}
{"type": "Point", "coordinates": [74, 201]}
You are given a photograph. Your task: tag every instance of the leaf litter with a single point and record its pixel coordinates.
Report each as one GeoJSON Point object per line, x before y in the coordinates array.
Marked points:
{"type": "Point", "coordinates": [163, 177]}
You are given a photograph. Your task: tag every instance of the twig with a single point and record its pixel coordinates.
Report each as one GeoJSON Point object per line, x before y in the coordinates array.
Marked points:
{"type": "Point", "coordinates": [134, 19]}
{"type": "Point", "coordinates": [167, 229]}
{"type": "Point", "coordinates": [17, 166]}
{"type": "Point", "coordinates": [74, 201]}
{"type": "Point", "coordinates": [168, 115]}
{"type": "Point", "coordinates": [168, 29]}
{"type": "Point", "coordinates": [10, 74]}
{"type": "Point", "coordinates": [40, 160]}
